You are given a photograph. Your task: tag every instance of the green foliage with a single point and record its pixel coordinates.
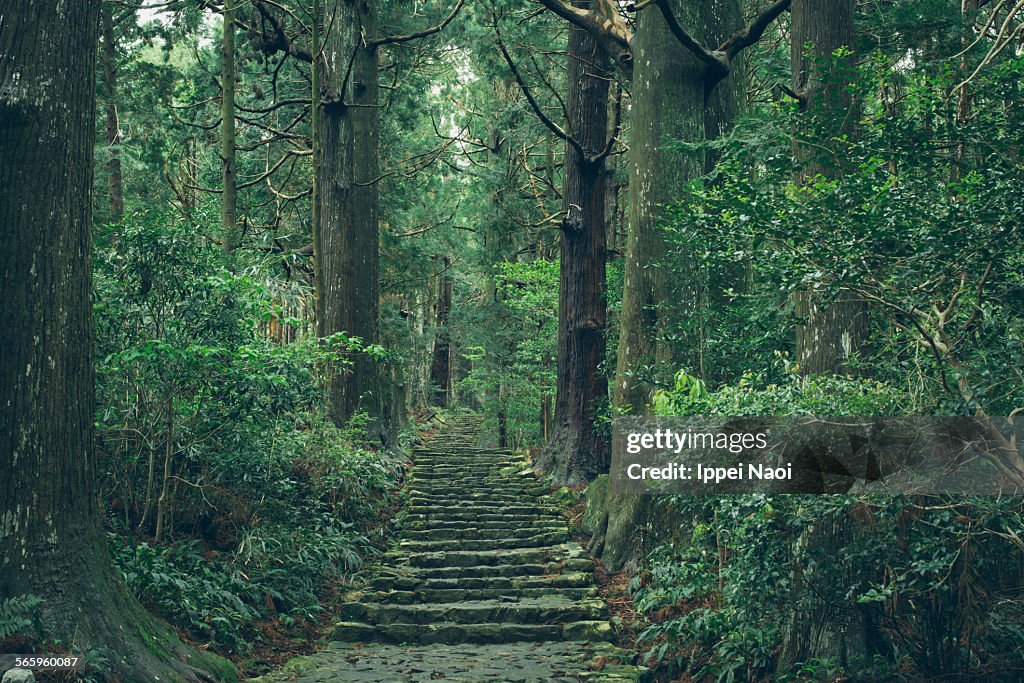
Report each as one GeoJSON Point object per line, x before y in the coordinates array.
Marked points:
{"type": "Point", "coordinates": [791, 394]}
{"type": "Point", "coordinates": [19, 615]}
{"type": "Point", "coordinates": [209, 423]}
{"type": "Point", "coordinates": [936, 580]}
{"type": "Point", "coordinates": [515, 370]}
{"type": "Point", "coordinates": [928, 238]}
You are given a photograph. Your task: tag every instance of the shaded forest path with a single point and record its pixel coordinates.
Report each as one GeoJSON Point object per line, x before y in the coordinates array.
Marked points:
{"type": "Point", "coordinates": [485, 585]}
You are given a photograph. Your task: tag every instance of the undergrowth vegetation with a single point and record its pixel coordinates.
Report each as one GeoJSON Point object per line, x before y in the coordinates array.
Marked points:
{"type": "Point", "coordinates": [898, 587]}
{"type": "Point", "coordinates": [231, 499]}
{"type": "Point", "coordinates": [852, 587]}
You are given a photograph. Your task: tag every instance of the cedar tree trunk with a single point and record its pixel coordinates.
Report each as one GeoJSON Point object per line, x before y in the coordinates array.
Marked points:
{"type": "Point", "coordinates": [52, 542]}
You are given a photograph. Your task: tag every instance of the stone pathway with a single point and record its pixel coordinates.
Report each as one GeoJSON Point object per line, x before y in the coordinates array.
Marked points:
{"type": "Point", "coordinates": [484, 586]}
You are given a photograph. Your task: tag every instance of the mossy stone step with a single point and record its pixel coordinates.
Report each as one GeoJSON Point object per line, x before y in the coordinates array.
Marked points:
{"type": "Point", "coordinates": [427, 634]}
{"type": "Point", "coordinates": [547, 609]}
{"type": "Point", "coordinates": [498, 533]}
{"type": "Point", "coordinates": [525, 662]}
{"type": "Point", "coordinates": [485, 558]}
{"type": "Point", "coordinates": [469, 558]}
{"type": "Point", "coordinates": [536, 540]}
{"type": "Point", "coordinates": [512, 582]}
{"type": "Point", "coordinates": [481, 502]}
{"type": "Point", "coordinates": [482, 491]}
{"type": "Point", "coordinates": [442, 519]}
{"type": "Point", "coordinates": [431, 507]}
{"type": "Point", "coordinates": [461, 593]}
{"type": "Point", "coordinates": [423, 574]}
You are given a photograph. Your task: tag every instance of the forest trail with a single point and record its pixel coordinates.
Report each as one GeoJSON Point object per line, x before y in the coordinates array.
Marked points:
{"type": "Point", "coordinates": [485, 584]}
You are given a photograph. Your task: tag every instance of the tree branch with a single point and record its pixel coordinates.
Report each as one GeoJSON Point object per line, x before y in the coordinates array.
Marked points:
{"type": "Point", "coordinates": [608, 29]}
{"type": "Point", "coordinates": [711, 60]}
{"type": "Point", "coordinates": [746, 37]}
{"type": "Point", "coordinates": [719, 60]}
{"type": "Point", "coordinates": [276, 40]}
{"type": "Point", "coordinates": [552, 126]}
{"type": "Point", "coordinates": [391, 40]}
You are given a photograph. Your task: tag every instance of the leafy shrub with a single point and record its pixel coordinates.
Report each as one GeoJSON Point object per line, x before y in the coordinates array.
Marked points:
{"type": "Point", "coordinates": [232, 497]}
{"type": "Point", "coordinates": [937, 580]}
{"type": "Point", "coordinates": [18, 615]}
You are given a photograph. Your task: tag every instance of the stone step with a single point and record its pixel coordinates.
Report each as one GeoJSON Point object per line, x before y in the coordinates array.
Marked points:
{"type": "Point", "coordinates": [493, 499]}
{"type": "Point", "coordinates": [549, 609]}
{"type": "Point", "coordinates": [515, 581]}
{"type": "Point", "coordinates": [477, 485]}
{"type": "Point", "coordinates": [448, 518]}
{"type": "Point", "coordinates": [496, 533]}
{"type": "Point", "coordinates": [470, 558]}
{"type": "Point", "coordinates": [479, 634]}
{"type": "Point", "coordinates": [422, 575]}
{"type": "Point", "coordinates": [477, 476]}
{"type": "Point", "coordinates": [486, 495]}
{"type": "Point", "coordinates": [454, 595]}
{"type": "Point", "coordinates": [537, 540]}
{"type": "Point", "coordinates": [473, 524]}
{"type": "Point", "coordinates": [476, 510]}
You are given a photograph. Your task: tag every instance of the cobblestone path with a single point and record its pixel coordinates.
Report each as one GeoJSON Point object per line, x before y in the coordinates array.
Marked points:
{"type": "Point", "coordinates": [485, 584]}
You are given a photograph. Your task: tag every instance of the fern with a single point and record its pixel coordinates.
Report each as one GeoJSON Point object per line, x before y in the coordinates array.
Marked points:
{"type": "Point", "coordinates": [18, 615]}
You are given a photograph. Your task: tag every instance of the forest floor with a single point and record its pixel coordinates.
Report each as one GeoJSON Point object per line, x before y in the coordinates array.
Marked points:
{"type": "Point", "coordinates": [485, 585]}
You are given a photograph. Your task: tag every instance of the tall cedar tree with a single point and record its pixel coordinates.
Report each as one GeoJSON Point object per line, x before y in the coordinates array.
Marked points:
{"type": "Point", "coordinates": [829, 333]}
{"type": "Point", "coordinates": [228, 154]}
{"type": "Point", "coordinates": [346, 244]}
{"type": "Point", "coordinates": [577, 450]}
{"type": "Point", "coordinates": [52, 542]}
{"type": "Point", "coordinates": [824, 626]}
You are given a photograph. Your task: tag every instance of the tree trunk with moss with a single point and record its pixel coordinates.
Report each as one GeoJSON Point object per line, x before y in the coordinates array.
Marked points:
{"type": "Point", "coordinates": [830, 333]}
{"type": "Point", "coordinates": [440, 364]}
{"type": "Point", "coordinates": [578, 451]}
{"type": "Point", "coordinates": [115, 178]}
{"type": "Point", "coordinates": [228, 154]}
{"type": "Point", "coordinates": [668, 102]}
{"type": "Point", "coordinates": [52, 542]}
{"type": "Point", "coordinates": [347, 242]}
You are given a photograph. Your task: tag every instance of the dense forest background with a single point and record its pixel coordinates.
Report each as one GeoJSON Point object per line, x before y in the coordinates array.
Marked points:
{"type": "Point", "coordinates": [318, 223]}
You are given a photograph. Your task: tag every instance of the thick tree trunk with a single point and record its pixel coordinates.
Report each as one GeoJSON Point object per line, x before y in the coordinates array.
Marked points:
{"type": "Point", "coordinates": [576, 451]}
{"type": "Point", "coordinates": [115, 182]}
{"type": "Point", "coordinates": [52, 542]}
{"type": "Point", "coordinates": [228, 152]}
{"type": "Point", "coordinates": [346, 246]}
{"type": "Point", "coordinates": [668, 101]}
{"type": "Point", "coordinates": [829, 334]}
{"type": "Point", "coordinates": [440, 366]}
{"type": "Point", "coordinates": [824, 623]}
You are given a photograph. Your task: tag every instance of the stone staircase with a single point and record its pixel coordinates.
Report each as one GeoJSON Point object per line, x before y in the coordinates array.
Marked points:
{"type": "Point", "coordinates": [485, 558]}
{"type": "Point", "coordinates": [485, 585]}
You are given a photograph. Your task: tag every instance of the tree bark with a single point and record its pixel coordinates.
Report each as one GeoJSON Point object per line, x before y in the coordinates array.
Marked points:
{"type": "Point", "coordinates": [824, 624]}
{"type": "Point", "coordinates": [346, 246]}
{"type": "Point", "coordinates": [829, 334]}
{"type": "Point", "coordinates": [668, 101]}
{"type": "Point", "coordinates": [115, 182]}
{"type": "Point", "coordinates": [440, 366]}
{"type": "Point", "coordinates": [228, 152]}
{"type": "Point", "coordinates": [52, 542]}
{"type": "Point", "coordinates": [576, 451]}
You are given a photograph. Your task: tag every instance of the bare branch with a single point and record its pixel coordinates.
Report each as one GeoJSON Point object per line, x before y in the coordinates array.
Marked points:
{"type": "Point", "coordinates": [552, 126]}
{"type": "Point", "coordinates": [607, 28]}
{"type": "Point", "coordinates": [746, 37]}
{"type": "Point", "coordinates": [391, 40]}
